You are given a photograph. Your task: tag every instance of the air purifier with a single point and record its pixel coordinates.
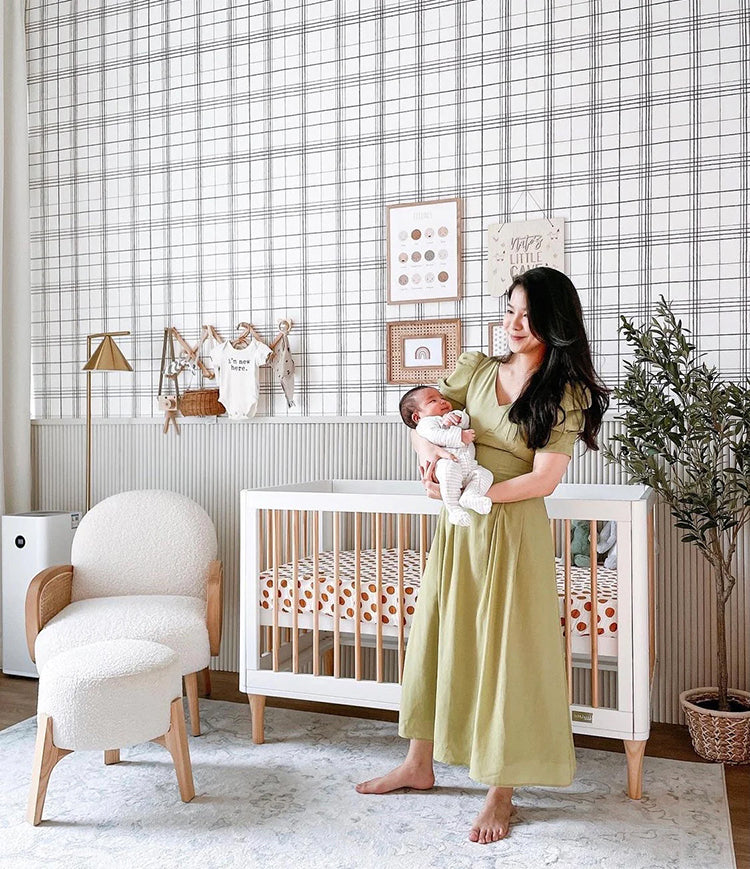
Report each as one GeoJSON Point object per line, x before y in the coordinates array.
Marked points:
{"type": "Point", "coordinates": [30, 542]}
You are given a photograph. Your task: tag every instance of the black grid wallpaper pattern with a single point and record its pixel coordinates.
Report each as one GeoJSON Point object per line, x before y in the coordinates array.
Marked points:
{"type": "Point", "coordinates": [210, 162]}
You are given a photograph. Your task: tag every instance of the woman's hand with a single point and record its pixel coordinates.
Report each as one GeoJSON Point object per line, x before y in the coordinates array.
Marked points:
{"type": "Point", "coordinates": [431, 485]}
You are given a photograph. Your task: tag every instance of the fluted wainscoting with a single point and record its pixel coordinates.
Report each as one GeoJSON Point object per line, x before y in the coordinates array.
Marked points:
{"type": "Point", "coordinates": [211, 461]}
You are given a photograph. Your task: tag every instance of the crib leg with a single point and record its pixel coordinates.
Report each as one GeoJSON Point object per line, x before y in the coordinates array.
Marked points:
{"type": "Point", "coordinates": [634, 750]}
{"type": "Point", "coordinates": [257, 711]}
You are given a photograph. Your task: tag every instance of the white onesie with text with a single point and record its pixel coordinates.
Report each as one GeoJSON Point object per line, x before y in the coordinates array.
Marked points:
{"type": "Point", "coordinates": [237, 376]}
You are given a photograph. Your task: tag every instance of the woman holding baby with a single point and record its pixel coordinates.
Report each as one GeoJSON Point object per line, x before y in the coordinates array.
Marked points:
{"type": "Point", "coordinates": [484, 683]}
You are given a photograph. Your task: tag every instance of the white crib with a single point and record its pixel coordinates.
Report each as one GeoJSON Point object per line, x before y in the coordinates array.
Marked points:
{"type": "Point", "coordinates": [330, 573]}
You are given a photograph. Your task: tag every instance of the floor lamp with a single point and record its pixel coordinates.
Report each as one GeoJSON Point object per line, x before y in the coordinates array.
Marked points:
{"type": "Point", "coordinates": [106, 357]}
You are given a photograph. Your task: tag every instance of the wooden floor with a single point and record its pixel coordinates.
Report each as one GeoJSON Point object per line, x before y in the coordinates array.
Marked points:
{"type": "Point", "coordinates": [18, 702]}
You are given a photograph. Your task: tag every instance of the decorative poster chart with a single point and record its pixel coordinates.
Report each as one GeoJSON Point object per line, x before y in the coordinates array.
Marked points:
{"type": "Point", "coordinates": [513, 248]}
{"type": "Point", "coordinates": [424, 251]}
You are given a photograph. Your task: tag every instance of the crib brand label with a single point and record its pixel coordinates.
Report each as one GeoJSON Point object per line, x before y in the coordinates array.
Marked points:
{"type": "Point", "coordinates": [587, 717]}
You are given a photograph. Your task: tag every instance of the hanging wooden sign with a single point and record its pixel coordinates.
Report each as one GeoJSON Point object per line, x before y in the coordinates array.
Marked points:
{"type": "Point", "coordinates": [515, 247]}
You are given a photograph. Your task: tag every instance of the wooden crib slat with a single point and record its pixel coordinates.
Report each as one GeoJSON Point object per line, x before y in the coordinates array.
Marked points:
{"type": "Point", "coordinates": [357, 596]}
{"type": "Point", "coordinates": [262, 633]}
{"type": "Point", "coordinates": [287, 535]}
{"type": "Point", "coordinates": [295, 591]}
{"type": "Point", "coordinates": [269, 538]}
{"type": "Point", "coordinates": [305, 550]}
{"type": "Point", "coordinates": [276, 546]}
{"type": "Point", "coordinates": [594, 599]}
{"type": "Point", "coordinates": [401, 548]}
{"type": "Point", "coordinates": [261, 541]}
{"type": "Point", "coordinates": [379, 603]}
{"type": "Point", "coordinates": [264, 518]}
{"type": "Point", "coordinates": [316, 593]}
{"type": "Point", "coordinates": [568, 616]}
{"type": "Point", "coordinates": [336, 592]}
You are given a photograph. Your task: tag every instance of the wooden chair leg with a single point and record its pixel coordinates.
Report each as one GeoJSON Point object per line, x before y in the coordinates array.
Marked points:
{"type": "Point", "coordinates": [206, 682]}
{"type": "Point", "coordinates": [191, 689]}
{"type": "Point", "coordinates": [634, 751]}
{"type": "Point", "coordinates": [111, 756]}
{"type": "Point", "coordinates": [46, 756]}
{"type": "Point", "coordinates": [175, 741]}
{"type": "Point", "coordinates": [328, 662]}
{"type": "Point", "coordinates": [258, 711]}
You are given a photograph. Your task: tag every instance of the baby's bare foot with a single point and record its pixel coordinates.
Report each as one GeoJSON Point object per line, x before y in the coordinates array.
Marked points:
{"type": "Point", "coordinates": [404, 776]}
{"type": "Point", "coordinates": [493, 822]}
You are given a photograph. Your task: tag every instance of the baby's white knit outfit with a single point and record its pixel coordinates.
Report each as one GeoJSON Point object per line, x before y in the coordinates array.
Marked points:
{"type": "Point", "coordinates": [464, 474]}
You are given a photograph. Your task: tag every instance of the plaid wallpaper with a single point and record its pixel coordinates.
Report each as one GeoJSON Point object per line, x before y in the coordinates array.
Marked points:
{"type": "Point", "coordinates": [210, 162]}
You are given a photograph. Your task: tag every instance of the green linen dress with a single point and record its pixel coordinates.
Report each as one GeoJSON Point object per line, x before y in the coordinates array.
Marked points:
{"type": "Point", "coordinates": [484, 676]}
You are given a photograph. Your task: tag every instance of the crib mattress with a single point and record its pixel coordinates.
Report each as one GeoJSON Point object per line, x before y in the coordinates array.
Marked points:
{"type": "Point", "coordinates": [580, 607]}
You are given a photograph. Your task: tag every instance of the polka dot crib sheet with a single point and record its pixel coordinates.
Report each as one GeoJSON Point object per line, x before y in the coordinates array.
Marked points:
{"type": "Point", "coordinates": [389, 598]}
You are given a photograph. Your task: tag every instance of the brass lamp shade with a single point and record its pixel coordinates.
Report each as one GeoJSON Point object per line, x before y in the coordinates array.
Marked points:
{"type": "Point", "coordinates": [107, 357]}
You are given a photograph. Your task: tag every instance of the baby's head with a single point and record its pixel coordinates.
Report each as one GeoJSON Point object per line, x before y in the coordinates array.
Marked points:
{"type": "Point", "coordinates": [420, 402]}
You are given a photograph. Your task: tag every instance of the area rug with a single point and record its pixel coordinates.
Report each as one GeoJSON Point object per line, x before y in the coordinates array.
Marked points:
{"type": "Point", "coordinates": [291, 803]}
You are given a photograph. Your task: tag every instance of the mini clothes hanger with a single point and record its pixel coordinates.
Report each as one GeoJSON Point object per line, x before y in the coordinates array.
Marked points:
{"type": "Point", "coordinates": [248, 329]}
{"type": "Point", "coordinates": [191, 355]}
{"type": "Point", "coordinates": [240, 341]}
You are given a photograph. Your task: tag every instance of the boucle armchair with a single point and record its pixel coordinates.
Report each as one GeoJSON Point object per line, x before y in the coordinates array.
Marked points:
{"type": "Point", "coordinates": [143, 568]}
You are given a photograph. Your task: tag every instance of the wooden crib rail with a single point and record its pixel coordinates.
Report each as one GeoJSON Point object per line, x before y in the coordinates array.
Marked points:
{"type": "Point", "coordinates": [286, 537]}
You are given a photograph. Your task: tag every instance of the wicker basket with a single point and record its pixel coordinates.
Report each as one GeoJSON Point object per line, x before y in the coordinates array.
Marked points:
{"type": "Point", "coordinates": [719, 736]}
{"type": "Point", "coordinates": [201, 402]}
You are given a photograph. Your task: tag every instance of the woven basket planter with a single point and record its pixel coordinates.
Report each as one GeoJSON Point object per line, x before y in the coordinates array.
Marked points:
{"type": "Point", "coordinates": [201, 402]}
{"type": "Point", "coordinates": [719, 736]}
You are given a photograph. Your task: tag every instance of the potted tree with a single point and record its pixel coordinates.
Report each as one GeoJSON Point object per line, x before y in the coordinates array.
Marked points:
{"type": "Point", "coordinates": [687, 436]}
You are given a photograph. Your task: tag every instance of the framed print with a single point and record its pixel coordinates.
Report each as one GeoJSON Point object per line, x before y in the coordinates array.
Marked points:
{"type": "Point", "coordinates": [497, 340]}
{"type": "Point", "coordinates": [515, 247]}
{"type": "Point", "coordinates": [422, 351]}
{"type": "Point", "coordinates": [424, 252]}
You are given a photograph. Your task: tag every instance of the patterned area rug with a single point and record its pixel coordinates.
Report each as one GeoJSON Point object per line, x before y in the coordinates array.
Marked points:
{"type": "Point", "coordinates": [291, 803]}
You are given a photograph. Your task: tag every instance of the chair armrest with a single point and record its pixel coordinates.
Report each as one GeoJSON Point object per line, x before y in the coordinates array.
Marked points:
{"type": "Point", "coordinates": [48, 593]}
{"type": "Point", "coordinates": [214, 597]}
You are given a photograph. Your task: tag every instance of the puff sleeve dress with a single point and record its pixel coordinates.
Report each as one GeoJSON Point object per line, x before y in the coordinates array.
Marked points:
{"type": "Point", "coordinates": [484, 675]}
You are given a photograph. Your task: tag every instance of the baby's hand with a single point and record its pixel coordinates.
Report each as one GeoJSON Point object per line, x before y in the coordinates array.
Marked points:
{"type": "Point", "coordinates": [453, 418]}
{"type": "Point", "coordinates": [467, 436]}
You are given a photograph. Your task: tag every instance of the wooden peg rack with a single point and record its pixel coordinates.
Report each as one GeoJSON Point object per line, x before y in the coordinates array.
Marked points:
{"type": "Point", "coordinates": [192, 352]}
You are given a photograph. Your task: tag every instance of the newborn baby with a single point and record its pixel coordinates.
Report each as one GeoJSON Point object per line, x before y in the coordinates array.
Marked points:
{"type": "Point", "coordinates": [424, 409]}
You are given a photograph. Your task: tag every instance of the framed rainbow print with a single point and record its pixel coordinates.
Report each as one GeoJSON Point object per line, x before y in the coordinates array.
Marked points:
{"type": "Point", "coordinates": [422, 351]}
{"type": "Point", "coordinates": [424, 252]}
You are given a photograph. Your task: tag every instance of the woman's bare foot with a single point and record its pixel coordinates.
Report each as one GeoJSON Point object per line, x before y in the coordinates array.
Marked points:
{"type": "Point", "coordinates": [407, 775]}
{"type": "Point", "coordinates": [493, 822]}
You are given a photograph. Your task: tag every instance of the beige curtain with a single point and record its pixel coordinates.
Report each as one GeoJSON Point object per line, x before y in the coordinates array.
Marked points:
{"type": "Point", "coordinates": [15, 298]}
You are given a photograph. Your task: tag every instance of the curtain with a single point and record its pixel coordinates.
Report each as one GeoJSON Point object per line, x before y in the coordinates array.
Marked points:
{"type": "Point", "coordinates": [15, 293]}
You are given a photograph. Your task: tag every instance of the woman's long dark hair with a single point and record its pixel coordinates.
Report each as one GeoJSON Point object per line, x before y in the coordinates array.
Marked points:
{"type": "Point", "coordinates": [556, 319]}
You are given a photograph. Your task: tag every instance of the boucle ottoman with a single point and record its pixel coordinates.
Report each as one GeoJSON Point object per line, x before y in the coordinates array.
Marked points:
{"type": "Point", "coordinates": [103, 697]}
